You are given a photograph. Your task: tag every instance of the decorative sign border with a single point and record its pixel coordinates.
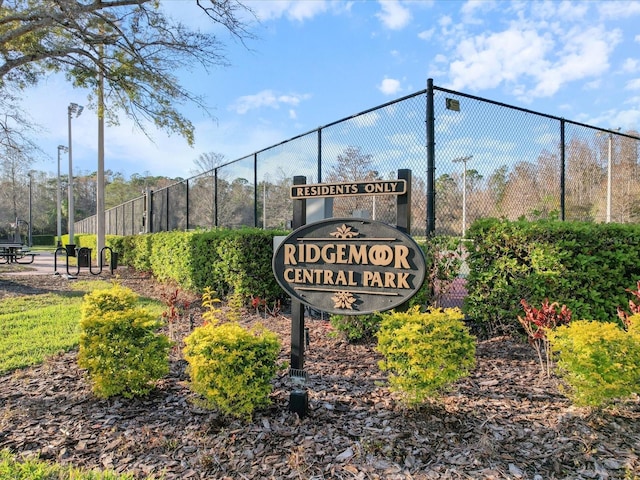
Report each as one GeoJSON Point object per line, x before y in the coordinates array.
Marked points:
{"type": "Point", "coordinates": [349, 266]}
{"type": "Point", "coordinates": [349, 189]}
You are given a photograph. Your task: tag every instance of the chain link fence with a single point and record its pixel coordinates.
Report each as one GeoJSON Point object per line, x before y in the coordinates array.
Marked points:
{"type": "Point", "coordinates": [470, 158]}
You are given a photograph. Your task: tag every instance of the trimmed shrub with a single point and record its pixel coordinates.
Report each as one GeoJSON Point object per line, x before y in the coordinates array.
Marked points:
{"type": "Point", "coordinates": [598, 361]}
{"type": "Point", "coordinates": [227, 261]}
{"type": "Point", "coordinates": [585, 266]}
{"type": "Point", "coordinates": [357, 328]}
{"type": "Point", "coordinates": [232, 367]}
{"type": "Point", "coordinates": [43, 240]}
{"type": "Point", "coordinates": [425, 352]}
{"type": "Point", "coordinates": [119, 346]}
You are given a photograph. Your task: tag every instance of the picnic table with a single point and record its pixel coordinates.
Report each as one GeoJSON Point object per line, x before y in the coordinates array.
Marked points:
{"type": "Point", "coordinates": [14, 252]}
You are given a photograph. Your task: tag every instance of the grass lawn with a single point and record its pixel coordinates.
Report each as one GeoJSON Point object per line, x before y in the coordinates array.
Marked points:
{"type": "Point", "coordinates": [12, 468]}
{"type": "Point", "coordinates": [35, 327]}
{"type": "Point", "coordinates": [31, 329]}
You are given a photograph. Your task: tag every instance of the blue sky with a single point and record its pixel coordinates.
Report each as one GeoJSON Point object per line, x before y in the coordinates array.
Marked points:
{"type": "Point", "coordinates": [314, 62]}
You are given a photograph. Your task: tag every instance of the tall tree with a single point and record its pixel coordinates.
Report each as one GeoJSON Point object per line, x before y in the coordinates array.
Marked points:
{"type": "Point", "coordinates": [352, 166]}
{"type": "Point", "coordinates": [131, 43]}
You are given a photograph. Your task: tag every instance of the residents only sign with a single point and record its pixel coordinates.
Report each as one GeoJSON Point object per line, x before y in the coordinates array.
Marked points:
{"type": "Point", "coordinates": [349, 266]}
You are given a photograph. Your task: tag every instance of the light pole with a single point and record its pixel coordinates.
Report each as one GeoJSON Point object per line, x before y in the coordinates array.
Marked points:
{"type": "Point", "coordinates": [61, 148]}
{"type": "Point", "coordinates": [30, 206]}
{"type": "Point", "coordinates": [609, 171]}
{"type": "Point", "coordinates": [464, 161]}
{"type": "Point", "coordinates": [72, 109]}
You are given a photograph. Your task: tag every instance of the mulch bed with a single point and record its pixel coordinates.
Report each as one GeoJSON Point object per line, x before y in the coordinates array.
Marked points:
{"type": "Point", "coordinates": [502, 422]}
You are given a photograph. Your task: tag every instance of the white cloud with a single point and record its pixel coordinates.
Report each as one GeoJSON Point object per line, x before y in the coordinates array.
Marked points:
{"type": "Point", "coordinates": [485, 61]}
{"type": "Point", "coordinates": [367, 120]}
{"type": "Point", "coordinates": [534, 54]}
{"type": "Point", "coordinates": [291, 9]}
{"type": "Point", "coordinates": [617, 9]}
{"type": "Point", "coordinates": [631, 65]}
{"type": "Point", "coordinates": [426, 34]}
{"type": "Point", "coordinates": [565, 11]}
{"type": "Point", "coordinates": [390, 86]}
{"type": "Point", "coordinates": [472, 10]}
{"type": "Point", "coordinates": [633, 84]}
{"type": "Point", "coordinates": [393, 15]}
{"type": "Point", "coordinates": [585, 54]}
{"type": "Point", "coordinates": [265, 98]}
{"type": "Point", "coordinates": [445, 21]}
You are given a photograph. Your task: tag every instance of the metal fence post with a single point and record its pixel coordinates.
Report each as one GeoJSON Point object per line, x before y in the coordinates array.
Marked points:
{"type": "Point", "coordinates": [215, 197]}
{"type": "Point", "coordinates": [255, 191]}
{"type": "Point", "coordinates": [431, 162]}
{"type": "Point", "coordinates": [563, 168]}
{"type": "Point", "coordinates": [319, 154]}
{"type": "Point", "coordinates": [187, 203]}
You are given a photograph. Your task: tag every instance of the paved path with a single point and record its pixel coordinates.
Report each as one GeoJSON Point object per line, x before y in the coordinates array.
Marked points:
{"type": "Point", "coordinates": [43, 264]}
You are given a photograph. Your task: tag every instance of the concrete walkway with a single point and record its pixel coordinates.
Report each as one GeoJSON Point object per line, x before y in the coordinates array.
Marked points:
{"type": "Point", "coordinates": [43, 264]}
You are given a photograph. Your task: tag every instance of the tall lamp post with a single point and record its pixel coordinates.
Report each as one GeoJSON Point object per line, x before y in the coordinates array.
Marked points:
{"type": "Point", "coordinates": [609, 170]}
{"type": "Point", "coordinates": [30, 207]}
{"type": "Point", "coordinates": [72, 109]}
{"type": "Point", "coordinates": [464, 161]}
{"type": "Point", "coordinates": [61, 148]}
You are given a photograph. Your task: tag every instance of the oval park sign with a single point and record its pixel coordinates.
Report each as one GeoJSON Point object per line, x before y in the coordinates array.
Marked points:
{"type": "Point", "coordinates": [349, 266]}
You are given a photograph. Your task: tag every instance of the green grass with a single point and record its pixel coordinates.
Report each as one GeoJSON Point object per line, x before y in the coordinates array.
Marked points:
{"type": "Point", "coordinates": [35, 327]}
{"type": "Point", "coordinates": [12, 468]}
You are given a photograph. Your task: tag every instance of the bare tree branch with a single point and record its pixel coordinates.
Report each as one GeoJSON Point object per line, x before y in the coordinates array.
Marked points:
{"type": "Point", "coordinates": [132, 43]}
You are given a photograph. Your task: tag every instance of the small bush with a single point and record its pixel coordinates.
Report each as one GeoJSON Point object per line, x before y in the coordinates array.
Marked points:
{"type": "Point", "coordinates": [537, 322]}
{"type": "Point", "coordinates": [119, 346]}
{"type": "Point", "coordinates": [357, 328]}
{"type": "Point", "coordinates": [425, 352]}
{"type": "Point", "coordinates": [114, 299]}
{"type": "Point", "coordinates": [598, 361]}
{"type": "Point", "coordinates": [232, 367]}
{"type": "Point", "coordinates": [633, 325]}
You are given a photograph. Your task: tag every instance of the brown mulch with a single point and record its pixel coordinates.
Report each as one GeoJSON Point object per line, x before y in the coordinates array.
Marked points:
{"type": "Point", "coordinates": [502, 422]}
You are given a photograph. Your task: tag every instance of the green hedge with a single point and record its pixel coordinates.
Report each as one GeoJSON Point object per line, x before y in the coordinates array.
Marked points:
{"type": "Point", "coordinates": [43, 240]}
{"type": "Point", "coordinates": [84, 240]}
{"type": "Point", "coordinates": [586, 266]}
{"type": "Point", "coordinates": [221, 259]}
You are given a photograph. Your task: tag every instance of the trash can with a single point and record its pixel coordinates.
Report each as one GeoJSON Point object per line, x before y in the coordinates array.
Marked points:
{"type": "Point", "coordinates": [71, 249]}
{"type": "Point", "coordinates": [114, 260]}
{"type": "Point", "coordinates": [84, 257]}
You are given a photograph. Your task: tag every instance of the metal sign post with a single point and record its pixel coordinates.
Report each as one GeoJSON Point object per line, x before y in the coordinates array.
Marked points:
{"type": "Point", "coordinates": [299, 397]}
{"type": "Point", "coordinates": [347, 266]}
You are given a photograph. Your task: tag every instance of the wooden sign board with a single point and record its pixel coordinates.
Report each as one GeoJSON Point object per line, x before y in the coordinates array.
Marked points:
{"type": "Point", "coordinates": [349, 266]}
{"type": "Point", "coordinates": [317, 190]}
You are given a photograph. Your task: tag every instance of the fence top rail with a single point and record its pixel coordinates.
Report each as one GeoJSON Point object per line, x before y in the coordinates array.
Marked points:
{"type": "Point", "coordinates": [533, 112]}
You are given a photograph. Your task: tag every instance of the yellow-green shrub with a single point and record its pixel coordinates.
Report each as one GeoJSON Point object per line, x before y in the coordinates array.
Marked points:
{"type": "Point", "coordinates": [119, 346]}
{"type": "Point", "coordinates": [425, 352]}
{"type": "Point", "coordinates": [232, 367]}
{"type": "Point", "coordinates": [115, 298]}
{"type": "Point", "coordinates": [598, 361]}
{"type": "Point", "coordinates": [633, 325]}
